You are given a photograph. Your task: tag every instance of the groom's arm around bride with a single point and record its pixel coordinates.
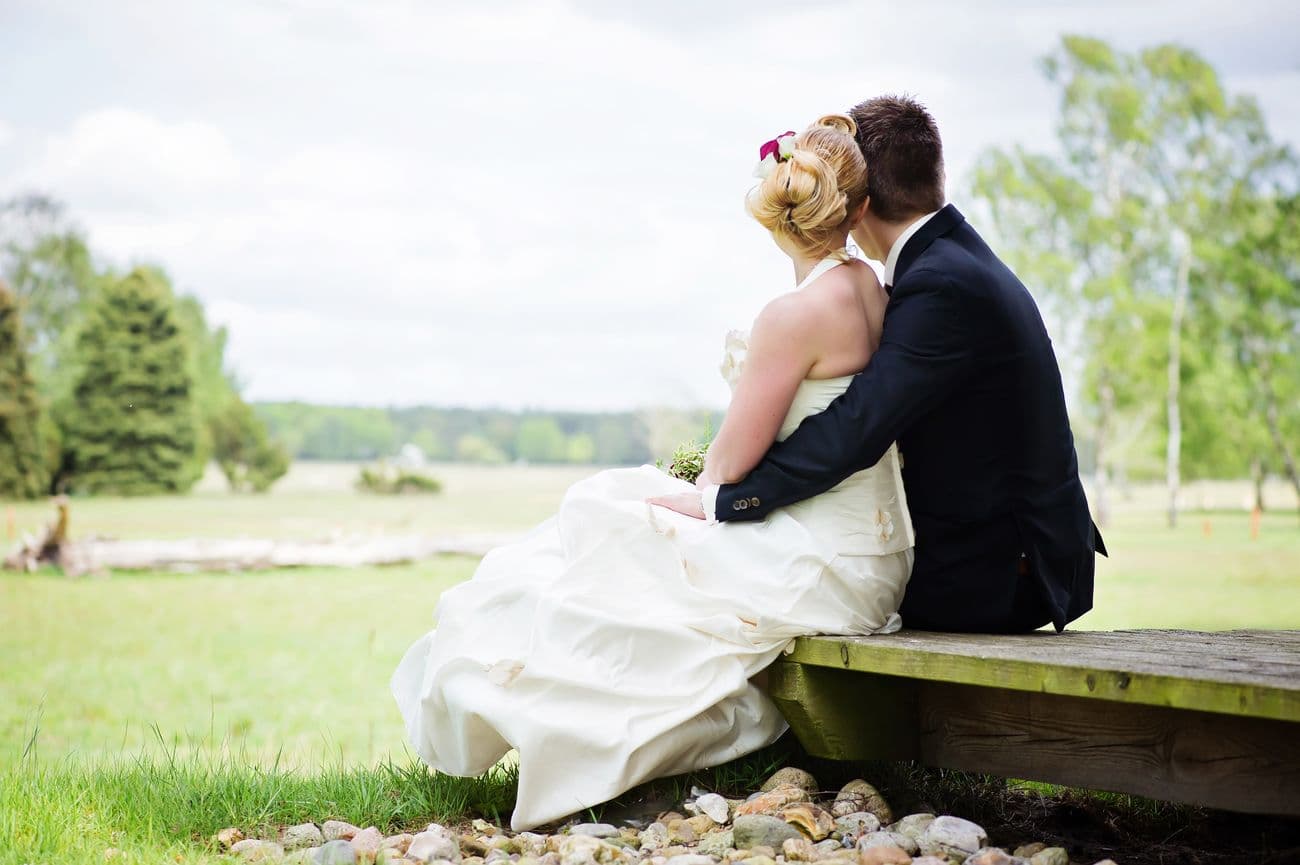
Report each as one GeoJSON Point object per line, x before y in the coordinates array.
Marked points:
{"type": "Point", "coordinates": [966, 381]}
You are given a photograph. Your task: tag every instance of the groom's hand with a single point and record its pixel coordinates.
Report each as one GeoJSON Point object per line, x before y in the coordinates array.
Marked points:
{"type": "Point", "coordinates": [689, 504]}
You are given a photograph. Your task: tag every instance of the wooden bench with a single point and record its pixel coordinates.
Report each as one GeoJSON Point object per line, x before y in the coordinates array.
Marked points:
{"type": "Point", "coordinates": [1205, 718]}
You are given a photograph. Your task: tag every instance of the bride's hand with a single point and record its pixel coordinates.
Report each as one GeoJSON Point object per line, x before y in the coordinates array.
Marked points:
{"type": "Point", "coordinates": [689, 504]}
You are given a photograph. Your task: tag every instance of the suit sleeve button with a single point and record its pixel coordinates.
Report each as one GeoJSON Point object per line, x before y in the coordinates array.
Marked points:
{"type": "Point", "coordinates": [754, 501]}
{"type": "Point", "coordinates": [735, 506]}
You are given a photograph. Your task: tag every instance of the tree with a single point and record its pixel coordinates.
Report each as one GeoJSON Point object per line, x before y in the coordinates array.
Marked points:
{"type": "Point", "coordinates": [1258, 272]}
{"type": "Point", "coordinates": [1151, 145]}
{"type": "Point", "coordinates": [540, 440]}
{"type": "Point", "coordinates": [248, 457]}
{"type": "Point", "coordinates": [23, 473]}
{"type": "Point", "coordinates": [48, 265]}
{"type": "Point", "coordinates": [130, 427]}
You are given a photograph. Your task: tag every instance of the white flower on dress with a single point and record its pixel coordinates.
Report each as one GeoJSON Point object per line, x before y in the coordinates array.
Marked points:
{"type": "Point", "coordinates": [884, 525]}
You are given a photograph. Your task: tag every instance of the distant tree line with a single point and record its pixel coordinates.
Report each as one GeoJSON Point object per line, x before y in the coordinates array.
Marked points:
{"type": "Point", "coordinates": [109, 381]}
{"type": "Point", "coordinates": [486, 436]}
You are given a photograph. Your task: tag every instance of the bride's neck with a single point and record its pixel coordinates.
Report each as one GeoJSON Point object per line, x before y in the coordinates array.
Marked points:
{"type": "Point", "coordinates": [804, 264]}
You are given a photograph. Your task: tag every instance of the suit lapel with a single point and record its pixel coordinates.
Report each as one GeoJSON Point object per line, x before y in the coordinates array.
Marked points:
{"type": "Point", "coordinates": [943, 222]}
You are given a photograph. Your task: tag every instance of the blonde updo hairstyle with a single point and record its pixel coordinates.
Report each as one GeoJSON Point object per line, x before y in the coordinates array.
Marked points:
{"type": "Point", "coordinates": [807, 197]}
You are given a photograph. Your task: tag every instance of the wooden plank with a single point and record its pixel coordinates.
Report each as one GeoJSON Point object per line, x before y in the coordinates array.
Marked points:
{"type": "Point", "coordinates": [1245, 673]}
{"type": "Point", "coordinates": [1202, 758]}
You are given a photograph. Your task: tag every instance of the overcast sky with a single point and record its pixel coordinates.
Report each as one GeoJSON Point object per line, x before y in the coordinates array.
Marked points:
{"type": "Point", "coordinates": [510, 204]}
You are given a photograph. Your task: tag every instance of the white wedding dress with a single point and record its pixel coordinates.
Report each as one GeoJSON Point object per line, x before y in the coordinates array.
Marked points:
{"type": "Point", "coordinates": [615, 642]}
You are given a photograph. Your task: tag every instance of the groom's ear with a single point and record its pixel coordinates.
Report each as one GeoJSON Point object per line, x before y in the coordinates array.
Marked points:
{"type": "Point", "coordinates": [856, 214]}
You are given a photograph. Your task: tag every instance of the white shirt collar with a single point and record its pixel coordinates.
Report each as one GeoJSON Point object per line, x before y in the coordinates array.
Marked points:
{"type": "Point", "coordinates": [891, 261]}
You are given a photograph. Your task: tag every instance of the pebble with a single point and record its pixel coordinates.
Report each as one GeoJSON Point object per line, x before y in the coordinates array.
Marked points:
{"type": "Point", "coordinates": [701, 823]}
{"type": "Point", "coordinates": [690, 859]}
{"type": "Point", "coordinates": [812, 821]}
{"type": "Point", "coordinates": [304, 856]}
{"type": "Point", "coordinates": [758, 860]}
{"type": "Point", "coordinates": [752, 830]}
{"type": "Point", "coordinates": [594, 830]}
{"type": "Point", "coordinates": [654, 836]}
{"type": "Point", "coordinates": [790, 776]}
{"type": "Point", "coordinates": [952, 837]}
{"type": "Point", "coordinates": [798, 850]}
{"type": "Point", "coordinates": [430, 845]}
{"type": "Point", "coordinates": [531, 843]}
{"type": "Point", "coordinates": [773, 800]}
{"type": "Point", "coordinates": [680, 831]}
{"type": "Point", "coordinates": [714, 806]}
{"type": "Point", "coordinates": [718, 843]}
{"type": "Point", "coordinates": [337, 830]}
{"type": "Point", "coordinates": [884, 854]}
{"type": "Point", "coordinates": [858, 795]}
{"type": "Point", "coordinates": [886, 838]}
{"type": "Point", "coordinates": [300, 836]}
{"type": "Point", "coordinates": [1026, 851]}
{"type": "Point", "coordinates": [912, 825]}
{"type": "Point", "coordinates": [1050, 856]}
{"type": "Point", "coordinates": [228, 838]}
{"type": "Point", "coordinates": [253, 850]}
{"type": "Point", "coordinates": [336, 852]}
{"type": "Point", "coordinates": [397, 843]}
{"type": "Point", "coordinates": [993, 856]}
{"type": "Point", "coordinates": [367, 843]}
{"type": "Point", "coordinates": [857, 823]}
{"type": "Point", "coordinates": [931, 860]}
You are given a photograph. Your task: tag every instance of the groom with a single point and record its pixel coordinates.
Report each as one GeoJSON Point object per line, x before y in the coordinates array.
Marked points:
{"type": "Point", "coordinates": [967, 383]}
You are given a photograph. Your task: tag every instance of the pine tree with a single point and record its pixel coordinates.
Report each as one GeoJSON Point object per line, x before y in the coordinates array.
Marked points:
{"type": "Point", "coordinates": [131, 428]}
{"type": "Point", "coordinates": [22, 458]}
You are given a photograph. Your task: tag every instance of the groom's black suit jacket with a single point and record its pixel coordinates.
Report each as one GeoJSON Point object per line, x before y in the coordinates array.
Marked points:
{"type": "Point", "coordinates": [965, 380]}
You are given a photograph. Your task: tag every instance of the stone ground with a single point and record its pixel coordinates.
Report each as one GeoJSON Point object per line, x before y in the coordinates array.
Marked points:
{"type": "Point", "coordinates": [787, 821]}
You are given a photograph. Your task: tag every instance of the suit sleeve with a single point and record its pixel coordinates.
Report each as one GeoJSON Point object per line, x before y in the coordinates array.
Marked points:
{"type": "Point", "coordinates": [926, 351]}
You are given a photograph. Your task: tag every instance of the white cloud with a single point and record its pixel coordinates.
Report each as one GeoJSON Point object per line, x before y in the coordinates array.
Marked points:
{"type": "Point", "coordinates": [527, 204]}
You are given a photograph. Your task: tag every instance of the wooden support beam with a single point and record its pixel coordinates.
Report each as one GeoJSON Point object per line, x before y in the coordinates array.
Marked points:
{"type": "Point", "coordinates": [1203, 758]}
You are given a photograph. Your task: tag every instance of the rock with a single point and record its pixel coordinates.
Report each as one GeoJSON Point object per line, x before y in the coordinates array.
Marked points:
{"type": "Point", "coordinates": [301, 836]}
{"type": "Point", "coordinates": [809, 819]}
{"type": "Point", "coordinates": [584, 850]}
{"type": "Point", "coordinates": [1027, 851]}
{"type": "Point", "coordinates": [475, 845]}
{"type": "Point", "coordinates": [884, 854]}
{"type": "Point", "coordinates": [757, 860]}
{"type": "Point", "coordinates": [856, 824]}
{"type": "Point", "coordinates": [718, 843]}
{"type": "Point", "coordinates": [930, 860]}
{"type": "Point", "coordinates": [303, 856]}
{"type": "Point", "coordinates": [228, 838]}
{"type": "Point", "coordinates": [397, 843]}
{"type": "Point", "coordinates": [680, 831]}
{"type": "Point", "coordinates": [366, 843]}
{"type": "Point", "coordinates": [654, 837]}
{"type": "Point", "coordinates": [763, 850]}
{"type": "Point", "coordinates": [885, 838]}
{"type": "Point", "coordinates": [531, 844]}
{"type": "Point", "coordinates": [336, 852]}
{"type": "Point", "coordinates": [858, 795]}
{"type": "Point", "coordinates": [496, 855]}
{"type": "Point", "coordinates": [111, 853]}
{"type": "Point", "coordinates": [790, 777]}
{"type": "Point", "coordinates": [753, 830]}
{"type": "Point", "coordinates": [1050, 856]}
{"type": "Point", "coordinates": [952, 837]}
{"type": "Point", "coordinates": [337, 830]}
{"type": "Point", "coordinates": [828, 848]}
{"type": "Point", "coordinates": [992, 856]}
{"type": "Point", "coordinates": [798, 850]}
{"type": "Point", "coordinates": [912, 825]}
{"type": "Point", "coordinates": [690, 859]}
{"type": "Point", "coordinates": [430, 844]}
{"type": "Point", "coordinates": [773, 800]}
{"type": "Point", "coordinates": [594, 830]}
{"type": "Point", "coordinates": [1105, 862]}
{"type": "Point", "coordinates": [714, 806]}
{"type": "Point", "coordinates": [253, 850]}
{"type": "Point", "coordinates": [701, 824]}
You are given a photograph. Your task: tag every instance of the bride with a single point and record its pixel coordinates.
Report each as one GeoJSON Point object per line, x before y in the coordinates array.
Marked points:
{"type": "Point", "coordinates": [617, 641]}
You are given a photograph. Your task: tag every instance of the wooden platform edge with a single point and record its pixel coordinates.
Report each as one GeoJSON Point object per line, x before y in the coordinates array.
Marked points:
{"type": "Point", "coordinates": [1131, 687]}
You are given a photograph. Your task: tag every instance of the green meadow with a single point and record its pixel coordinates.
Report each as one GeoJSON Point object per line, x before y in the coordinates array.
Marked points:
{"type": "Point", "coordinates": [262, 697]}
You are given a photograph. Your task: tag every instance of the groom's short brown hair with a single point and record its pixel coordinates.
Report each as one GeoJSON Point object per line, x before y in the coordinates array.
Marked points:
{"type": "Point", "coordinates": [900, 142]}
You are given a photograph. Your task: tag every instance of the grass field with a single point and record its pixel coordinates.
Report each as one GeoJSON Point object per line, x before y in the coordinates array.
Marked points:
{"type": "Point", "coordinates": [289, 669]}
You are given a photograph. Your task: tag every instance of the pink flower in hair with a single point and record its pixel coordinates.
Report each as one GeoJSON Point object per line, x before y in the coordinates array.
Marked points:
{"type": "Point", "coordinates": [779, 149]}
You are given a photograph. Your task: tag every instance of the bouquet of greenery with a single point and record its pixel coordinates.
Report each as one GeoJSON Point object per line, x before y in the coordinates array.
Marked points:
{"type": "Point", "coordinates": [688, 459]}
